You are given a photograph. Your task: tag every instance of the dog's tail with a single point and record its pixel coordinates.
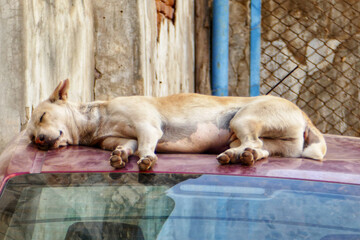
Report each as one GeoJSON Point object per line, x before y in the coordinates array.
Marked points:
{"type": "Point", "coordinates": [314, 142]}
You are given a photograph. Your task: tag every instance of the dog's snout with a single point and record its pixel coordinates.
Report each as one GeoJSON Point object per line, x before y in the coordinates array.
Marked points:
{"type": "Point", "coordinates": [41, 137]}
{"type": "Point", "coordinates": [46, 142]}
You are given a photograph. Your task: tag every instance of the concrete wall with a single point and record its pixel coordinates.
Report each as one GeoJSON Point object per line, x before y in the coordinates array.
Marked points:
{"type": "Point", "coordinates": [11, 69]}
{"type": "Point", "coordinates": [58, 40]}
{"type": "Point", "coordinates": [42, 42]}
{"type": "Point", "coordinates": [168, 52]}
{"type": "Point", "coordinates": [107, 48]}
{"type": "Point", "coordinates": [117, 53]}
{"type": "Point", "coordinates": [142, 52]}
{"type": "Point", "coordinates": [239, 36]}
{"type": "Point", "coordinates": [239, 52]}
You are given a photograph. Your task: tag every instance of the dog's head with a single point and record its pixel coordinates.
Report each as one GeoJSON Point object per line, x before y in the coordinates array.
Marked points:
{"type": "Point", "coordinates": [48, 127]}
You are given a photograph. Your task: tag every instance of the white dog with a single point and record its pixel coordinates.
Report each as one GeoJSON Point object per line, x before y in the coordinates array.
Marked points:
{"type": "Point", "coordinates": [244, 129]}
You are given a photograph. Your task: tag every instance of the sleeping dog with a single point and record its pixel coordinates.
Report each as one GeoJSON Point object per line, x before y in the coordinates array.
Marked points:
{"type": "Point", "coordinates": [242, 129]}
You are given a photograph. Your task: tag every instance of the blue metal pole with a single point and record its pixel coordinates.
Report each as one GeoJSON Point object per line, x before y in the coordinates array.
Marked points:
{"type": "Point", "coordinates": [255, 47]}
{"type": "Point", "coordinates": [220, 48]}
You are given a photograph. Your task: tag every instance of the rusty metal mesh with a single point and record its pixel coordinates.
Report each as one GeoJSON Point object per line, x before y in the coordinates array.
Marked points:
{"type": "Point", "coordinates": [320, 39]}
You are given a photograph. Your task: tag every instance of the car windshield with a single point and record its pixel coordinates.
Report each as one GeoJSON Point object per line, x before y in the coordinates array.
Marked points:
{"type": "Point", "coordinates": [175, 206]}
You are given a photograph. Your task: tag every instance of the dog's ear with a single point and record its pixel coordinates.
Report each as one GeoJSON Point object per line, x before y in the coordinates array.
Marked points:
{"type": "Point", "coordinates": [61, 91]}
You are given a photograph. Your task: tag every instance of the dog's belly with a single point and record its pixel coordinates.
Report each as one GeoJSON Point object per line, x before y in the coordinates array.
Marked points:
{"type": "Point", "coordinates": [206, 137]}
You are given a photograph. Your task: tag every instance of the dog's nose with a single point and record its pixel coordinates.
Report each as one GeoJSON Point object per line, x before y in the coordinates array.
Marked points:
{"type": "Point", "coordinates": [40, 139]}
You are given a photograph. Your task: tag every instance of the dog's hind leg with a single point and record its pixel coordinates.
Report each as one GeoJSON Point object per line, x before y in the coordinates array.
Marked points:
{"type": "Point", "coordinates": [122, 148]}
{"type": "Point", "coordinates": [247, 146]}
{"type": "Point", "coordinates": [266, 127]}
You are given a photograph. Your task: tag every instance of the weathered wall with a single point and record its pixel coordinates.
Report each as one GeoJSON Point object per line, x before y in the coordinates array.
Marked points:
{"type": "Point", "coordinates": [202, 47]}
{"type": "Point", "coordinates": [117, 54]}
{"type": "Point", "coordinates": [11, 69]}
{"type": "Point", "coordinates": [239, 35]}
{"type": "Point", "coordinates": [174, 66]}
{"type": "Point", "coordinates": [168, 66]}
{"type": "Point", "coordinates": [58, 44]}
{"type": "Point", "coordinates": [106, 48]}
{"type": "Point", "coordinates": [141, 53]}
{"type": "Point", "coordinates": [147, 11]}
{"type": "Point", "coordinates": [42, 42]}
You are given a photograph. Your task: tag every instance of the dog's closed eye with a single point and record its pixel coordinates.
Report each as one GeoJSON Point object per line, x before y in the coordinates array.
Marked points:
{"type": "Point", "coordinates": [42, 117]}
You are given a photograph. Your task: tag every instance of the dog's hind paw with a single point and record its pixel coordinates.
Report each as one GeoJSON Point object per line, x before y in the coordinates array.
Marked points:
{"type": "Point", "coordinates": [119, 158]}
{"type": "Point", "coordinates": [224, 158]}
{"type": "Point", "coordinates": [227, 157]}
{"type": "Point", "coordinates": [145, 163]}
{"type": "Point", "coordinates": [247, 157]}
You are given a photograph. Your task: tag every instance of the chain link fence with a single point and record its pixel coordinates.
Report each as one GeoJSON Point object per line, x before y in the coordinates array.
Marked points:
{"type": "Point", "coordinates": [318, 43]}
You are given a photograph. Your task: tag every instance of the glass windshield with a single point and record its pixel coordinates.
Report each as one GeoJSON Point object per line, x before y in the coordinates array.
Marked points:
{"type": "Point", "coordinates": [176, 206]}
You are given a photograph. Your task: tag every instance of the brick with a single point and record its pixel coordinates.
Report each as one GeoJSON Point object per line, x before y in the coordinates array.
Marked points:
{"type": "Point", "coordinates": [164, 9]}
{"type": "Point", "coordinates": [169, 2]}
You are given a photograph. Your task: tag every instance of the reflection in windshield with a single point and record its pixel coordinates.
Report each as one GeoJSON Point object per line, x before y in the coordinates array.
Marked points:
{"type": "Point", "coordinates": [262, 208]}
{"type": "Point", "coordinates": [176, 206]}
{"type": "Point", "coordinates": [87, 206]}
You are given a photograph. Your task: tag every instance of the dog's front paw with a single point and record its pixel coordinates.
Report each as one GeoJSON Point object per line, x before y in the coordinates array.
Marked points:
{"type": "Point", "coordinates": [119, 158]}
{"type": "Point", "coordinates": [227, 157]}
{"type": "Point", "coordinates": [145, 163]}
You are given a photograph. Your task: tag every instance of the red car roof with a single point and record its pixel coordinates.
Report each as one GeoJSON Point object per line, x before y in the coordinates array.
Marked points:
{"type": "Point", "coordinates": [342, 162]}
